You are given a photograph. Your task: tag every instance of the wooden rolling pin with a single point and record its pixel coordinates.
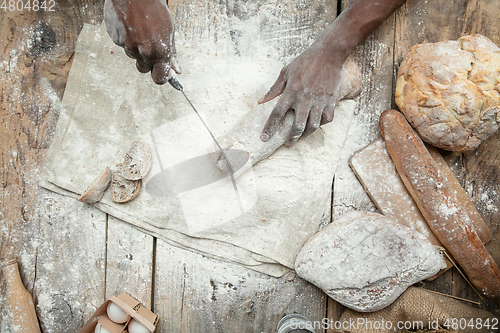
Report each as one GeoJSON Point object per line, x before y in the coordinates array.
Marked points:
{"type": "Point", "coordinates": [242, 143]}
{"type": "Point", "coordinates": [446, 215]}
{"type": "Point", "coordinates": [23, 317]}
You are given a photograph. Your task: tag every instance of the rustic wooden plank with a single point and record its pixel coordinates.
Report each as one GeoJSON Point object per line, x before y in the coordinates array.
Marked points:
{"type": "Point", "coordinates": [70, 262]}
{"type": "Point", "coordinates": [480, 17]}
{"type": "Point", "coordinates": [420, 21]}
{"type": "Point", "coordinates": [289, 26]}
{"type": "Point", "coordinates": [197, 294]}
{"type": "Point", "coordinates": [129, 261]}
{"type": "Point", "coordinates": [374, 56]}
{"type": "Point", "coordinates": [23, 140]}
{"type": "Point", "coordinates": [37, 49]}
{"type": "Point", "coordinates": [424, 21]}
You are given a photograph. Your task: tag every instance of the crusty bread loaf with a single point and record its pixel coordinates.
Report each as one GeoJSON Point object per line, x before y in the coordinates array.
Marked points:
{"type": "Point", "coordinates": [450, 91]}
{"type": "Point", "coordinates": [446, 216]}
{"type": "Point", "coordinates": [137, 161]}
{"type": "Point", "coordinates": [95, 191]}
{"type": "Point", "coordinates": [365, 260]}
{"type": "Point", "coordinates": [480, 227]}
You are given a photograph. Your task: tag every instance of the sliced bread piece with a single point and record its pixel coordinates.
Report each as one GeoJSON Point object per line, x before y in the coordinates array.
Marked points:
{"type": "Point", "coordinates": [137, 161]}
{"type": "Point", "coordinates": [95, 191]}
{"type": "Point", "coordinates": [123, 189]}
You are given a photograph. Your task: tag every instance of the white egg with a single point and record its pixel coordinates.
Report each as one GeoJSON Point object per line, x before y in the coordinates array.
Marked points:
{"type": "Point", "coordinates": [136, 327]}
{"type": "Point", "coordinates": [116, 314]}
{"type": "Point", "coordinates": [101, 329]}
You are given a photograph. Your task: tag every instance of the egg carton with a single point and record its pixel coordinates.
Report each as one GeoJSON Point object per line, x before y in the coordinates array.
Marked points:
{"type": "Point", "coordinates": [128, 304]}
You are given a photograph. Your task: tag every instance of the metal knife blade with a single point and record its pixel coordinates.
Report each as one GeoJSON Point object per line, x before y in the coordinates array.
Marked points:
{"type": "Point", "coordinates": [174, 82]}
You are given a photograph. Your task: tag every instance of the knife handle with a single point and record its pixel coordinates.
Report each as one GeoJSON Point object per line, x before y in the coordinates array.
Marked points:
{"type": "Point", "coordinates": [174, 82]}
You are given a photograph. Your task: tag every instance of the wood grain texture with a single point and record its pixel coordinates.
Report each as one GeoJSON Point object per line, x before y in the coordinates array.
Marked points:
{"type": "Point", "coordinates": [197, 294]}
{"type": "Point", "coordinates": [37, 49]}
{"type": "Point", "coordinates": [129, 261]}
{"type": "Point", "coordinates": [288, 26]}
{"type": "Point", "coordinates": [70, 262]}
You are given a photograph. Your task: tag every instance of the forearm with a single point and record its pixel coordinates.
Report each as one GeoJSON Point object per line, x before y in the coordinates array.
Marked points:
{"type": "Point", "coordinates": [354, 24]}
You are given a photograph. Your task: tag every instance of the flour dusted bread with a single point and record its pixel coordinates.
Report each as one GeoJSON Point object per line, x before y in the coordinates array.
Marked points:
{"type": "Point", "coordinates": [123, 189]}
{"type": "Point", "coordinates": [365, 260]}
{"type": "Point", "coordinates": [126, 182]}
{"type": "Point", "coordinates": [137, 161]}
{"type": "Point", "coordinates": [450, 91]}
{"type": "Point", "coordinates": [96, 190]}
{"type": "Point", "coordinates": [446, 214]}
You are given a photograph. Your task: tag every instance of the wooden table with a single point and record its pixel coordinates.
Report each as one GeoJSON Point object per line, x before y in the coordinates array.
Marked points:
{"type": "Point", "coordinates": [72, 256]}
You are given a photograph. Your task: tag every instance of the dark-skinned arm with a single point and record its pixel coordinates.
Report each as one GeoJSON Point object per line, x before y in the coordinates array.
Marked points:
{"type": "Point", "coordinates": [310, 83]}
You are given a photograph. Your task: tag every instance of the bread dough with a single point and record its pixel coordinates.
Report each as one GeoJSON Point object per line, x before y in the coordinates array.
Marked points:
{"type": "Point", "coordinates": [365, 260]}
{"type": "Point", "coordinates": [450, 91]}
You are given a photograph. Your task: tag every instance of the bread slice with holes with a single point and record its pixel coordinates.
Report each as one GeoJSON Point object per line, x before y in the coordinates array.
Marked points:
{"type": "Point", "coordinates": [137, 161]}
{"type": "Point", "coordinates": [123, 189]}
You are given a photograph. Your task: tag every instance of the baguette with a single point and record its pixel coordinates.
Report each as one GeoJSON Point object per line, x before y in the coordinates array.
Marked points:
{"type": "Point", "coordinates": [447, 217]}
{"type": "Point", "coordinates": [481, 228]}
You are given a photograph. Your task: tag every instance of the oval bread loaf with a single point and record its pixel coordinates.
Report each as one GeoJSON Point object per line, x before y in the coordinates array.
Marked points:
{"type": "Point", "coordinates": [446, 216]}
{"type": "Point", "coordinates": [450, 91]}
{"type": "Point", "coordinates": [365, 260]}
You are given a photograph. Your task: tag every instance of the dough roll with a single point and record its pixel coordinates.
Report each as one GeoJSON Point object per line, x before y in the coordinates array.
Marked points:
{"type": "Point", "coordinates": [242, 144]}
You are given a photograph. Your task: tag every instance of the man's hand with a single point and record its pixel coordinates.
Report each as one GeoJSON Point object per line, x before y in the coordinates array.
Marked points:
{"type": "Point", "coordinates": [310, 87]}
{"type": "Point", "coordinates": [144, 28]}
{"type": "Point", "coordinates": [310, 84]}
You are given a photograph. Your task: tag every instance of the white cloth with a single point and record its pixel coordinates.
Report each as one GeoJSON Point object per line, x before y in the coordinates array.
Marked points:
{"type": "Point", "coordinates": [185, 199]}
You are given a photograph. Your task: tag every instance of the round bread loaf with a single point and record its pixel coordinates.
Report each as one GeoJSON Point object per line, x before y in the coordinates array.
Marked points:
{"type": "Point", "coordinates": [450, 91]}
{"type": "Point", "coordinates": [365, 260]}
